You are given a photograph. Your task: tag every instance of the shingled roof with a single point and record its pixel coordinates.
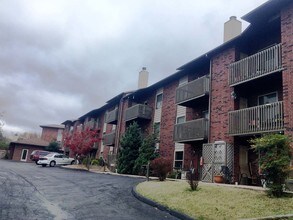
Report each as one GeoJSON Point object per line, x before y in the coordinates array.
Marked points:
{"type": "Point", "coordinates": [34, 142]}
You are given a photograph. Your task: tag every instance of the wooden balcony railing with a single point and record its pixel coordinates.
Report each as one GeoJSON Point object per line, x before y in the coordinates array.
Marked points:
{"type": "Point", "coordinates": [191, 130]}
{"type": "Point", "coordinates": [138, 111]}
{"type": "Point", "coordinates": [263, 63]}
{"type": "Point", "coordinates": [109, 139]}
{"type": "Point", "coordinates": [258, 119]}
{"type": "Point", "coordinates": [112, 117]}
{"type": "Point", "coordinates": [192, 90]}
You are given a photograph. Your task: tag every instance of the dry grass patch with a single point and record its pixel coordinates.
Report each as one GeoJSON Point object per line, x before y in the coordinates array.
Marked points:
{"type": "Point", "coordinates": [215, 202]}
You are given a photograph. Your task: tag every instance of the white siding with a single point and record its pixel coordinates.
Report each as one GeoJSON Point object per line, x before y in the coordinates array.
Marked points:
{"type": "Point", "coordinates": [181, 111]}
{"type": "Point", "coordinates": [158, 112]}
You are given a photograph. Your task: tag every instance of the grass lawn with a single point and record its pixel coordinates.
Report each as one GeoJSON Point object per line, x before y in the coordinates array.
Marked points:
{"type": "Point", "coordinates": [215, 202]}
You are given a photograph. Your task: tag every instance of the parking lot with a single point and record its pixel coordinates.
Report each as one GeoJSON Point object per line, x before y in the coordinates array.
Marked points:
{"type": "Point", "coordinates": [29, 191]}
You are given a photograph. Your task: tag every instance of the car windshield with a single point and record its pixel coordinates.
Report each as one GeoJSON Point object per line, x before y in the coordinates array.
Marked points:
{"type": "Point", "coordinates": [34, 152]}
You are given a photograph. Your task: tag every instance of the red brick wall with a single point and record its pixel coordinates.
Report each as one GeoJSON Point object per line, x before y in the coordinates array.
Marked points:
{"type": "Point", "coordinates": [221, 102]}
{"type": "Point", "coordinates": [49, 134]}
{"type": "Point", "coordinates": [169, 109]}
{"type": "Point", "coordinates": [18, 149]}
{"type": "Point", "coordinates": [287, 61]}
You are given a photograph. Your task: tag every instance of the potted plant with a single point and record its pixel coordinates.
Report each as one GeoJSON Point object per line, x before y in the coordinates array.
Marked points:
{"type": "Point", "coordinates": [218, 178]}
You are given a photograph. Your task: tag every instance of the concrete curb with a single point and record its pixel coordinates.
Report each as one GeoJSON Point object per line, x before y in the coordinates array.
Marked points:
{"type": "Point", "coordinates": [288, 216]}
{"type": "Point", "coordinates": [159, 206]}
{"type": "Point", "coordinates": [69, 168]}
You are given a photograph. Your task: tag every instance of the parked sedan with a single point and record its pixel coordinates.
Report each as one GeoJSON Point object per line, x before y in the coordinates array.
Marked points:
{"type": "Point", "coordinates": [37, 154]}
{"type": "Point", "coordinates": [55, 159]}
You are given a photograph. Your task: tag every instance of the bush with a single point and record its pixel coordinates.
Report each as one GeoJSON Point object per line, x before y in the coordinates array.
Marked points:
{"type": "Point", "coordinates": [95, 162]}
{"type": "Point", "coordinates": [275, 155]}
{"type": "Point", "coordinates": [161, 167]}
{"type": "Point", "coordinates": [192, 179]}
{"type": "Point", "coordinates": [175, 174]}
{"type": "Point", "coordinates": [85, 161]}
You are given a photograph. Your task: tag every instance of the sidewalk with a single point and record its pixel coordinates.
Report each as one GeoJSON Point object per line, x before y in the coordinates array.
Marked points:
{"type": "Point", "coordinates": [105, 170]}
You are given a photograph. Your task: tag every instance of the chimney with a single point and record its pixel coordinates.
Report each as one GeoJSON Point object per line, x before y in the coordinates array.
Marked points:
{"type": "Point", "coordinates": [232, 28]}
{"type": "Point", "coordinates": [143, 78]}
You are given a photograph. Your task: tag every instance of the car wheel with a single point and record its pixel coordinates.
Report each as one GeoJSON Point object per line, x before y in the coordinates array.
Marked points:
{"type": "Point", "coordinates": [72, 162]}
{"type": "Point", "coordinates": [36, 162]}
{"type": "Point", "coordinates": [52, 163]}
{"type": "Point", "coordinates": [43, 165]}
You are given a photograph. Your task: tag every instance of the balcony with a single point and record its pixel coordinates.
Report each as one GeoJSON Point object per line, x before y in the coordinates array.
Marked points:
{"type": "Point", "coordinates": [138, 111]}
{"type": "Point", "coordinates": [192, 90]}
{"type": "Point", "coordinates": [258, 119]}
{"type": "Point", "coordinates": [112, 117]}
{"type": "Point", "coordinates": [260, 64]}
{"type": "Point", "coordinates": [109, 139]}
{"type": "Point", "coordinates": [90, 124]}
{"type": "Point", "coordinates": [191, 131]}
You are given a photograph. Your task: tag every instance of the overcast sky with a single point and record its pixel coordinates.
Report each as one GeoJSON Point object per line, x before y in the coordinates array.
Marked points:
{"type": "Point", "coordinates": [61, 59]}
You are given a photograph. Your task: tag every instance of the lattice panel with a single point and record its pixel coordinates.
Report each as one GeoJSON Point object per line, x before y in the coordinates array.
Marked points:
{"type": "Point", "coordinates": [230, 158]}
{"type": "Point", "coordinates": [208, 153]}
{"type": "Point", "coordinates": [207, 173]}
{"type": "Point", "coordinates": [220, 153]}
{"type": "Point", "coordinates": [207, 169]}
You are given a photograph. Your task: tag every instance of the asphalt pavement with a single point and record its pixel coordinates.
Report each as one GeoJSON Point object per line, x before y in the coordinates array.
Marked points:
{"type": "Point", "coordinates": [28, 191]}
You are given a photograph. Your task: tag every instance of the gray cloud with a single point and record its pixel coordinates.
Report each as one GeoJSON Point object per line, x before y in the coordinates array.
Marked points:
{"type": "Point", "coordinates": [61, 59]}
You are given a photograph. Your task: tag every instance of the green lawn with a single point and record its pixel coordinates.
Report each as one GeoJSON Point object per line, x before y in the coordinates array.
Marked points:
{"type": "Point", "coordinates": [215, 202]}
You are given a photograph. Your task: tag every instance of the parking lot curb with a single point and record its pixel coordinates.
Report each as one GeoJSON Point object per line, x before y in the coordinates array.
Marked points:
{"type": "Point", "coordinates": [78, 169]}
{"type": "Point", "coordinates": [159, 206]}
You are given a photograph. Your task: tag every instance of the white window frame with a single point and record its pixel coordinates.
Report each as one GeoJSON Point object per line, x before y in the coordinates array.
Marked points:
{"type": "Point", "coordinates": [159, 94]}
{"type": "Point", "coordinates": [25, 155]}
{"type": "Point", "coordinates": [179, 160]}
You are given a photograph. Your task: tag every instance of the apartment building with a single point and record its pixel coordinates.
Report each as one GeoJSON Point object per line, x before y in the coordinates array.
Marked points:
{"type": "Point", "coordinates": [209, 110]}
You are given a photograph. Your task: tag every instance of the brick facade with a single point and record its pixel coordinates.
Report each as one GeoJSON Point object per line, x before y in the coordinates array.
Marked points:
{"type": "Point", "coordinates": [287, 59]}
{"type": "Point", "coordinates": [168, 119]}
{"type": "Point", "coordinates": [221, 101]}
{"type": "Point", "coordinates": [49, 134]}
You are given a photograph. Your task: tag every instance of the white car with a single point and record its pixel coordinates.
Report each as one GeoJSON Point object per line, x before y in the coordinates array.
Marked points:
{"type": "Point", "coordinates": [53, 159]}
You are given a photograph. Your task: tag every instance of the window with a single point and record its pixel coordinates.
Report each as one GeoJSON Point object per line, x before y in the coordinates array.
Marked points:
{"type": "Point", "coordinates": [178, 162]}
{"type": "Point", "coordinates": [59, 135]}
{"type": "Point", "coordinates": [268, 98]}
{"type": "Point", "coordinates": [183, 80]}
{"type": "Point", "coordinates": [159, 100]}
{"type": "Point", "coordinates": [113, 127]}
{"type": "Point", "coordinates": [180, 119]}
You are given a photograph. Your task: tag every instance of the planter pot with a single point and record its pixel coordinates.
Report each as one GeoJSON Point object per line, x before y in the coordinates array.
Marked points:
{"type": "Point", "coordinates": [218, 179]}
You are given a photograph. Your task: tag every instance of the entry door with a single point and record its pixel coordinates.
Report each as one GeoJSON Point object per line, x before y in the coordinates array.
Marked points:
{"type": "Point", "coordinates": [24, 154]}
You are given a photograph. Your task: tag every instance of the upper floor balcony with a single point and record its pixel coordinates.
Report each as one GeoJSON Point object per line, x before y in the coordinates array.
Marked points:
{"type": "Point", "coordinates": [192, 90]}
{"type": "Point", "coordinates": [138, 111]}
{"type": "Point", "coordinates": [260, 64]}
{"type": "Point", "coordinates": [191, 131]}
{"type": "Point", "coordinates": [257, 119]}
{"type": "Point", "coordinates": [109, 139]}
{"type": "Point", "coordinates": [90, 124]}
{"type": "Point", "coordinates": [112, 116]}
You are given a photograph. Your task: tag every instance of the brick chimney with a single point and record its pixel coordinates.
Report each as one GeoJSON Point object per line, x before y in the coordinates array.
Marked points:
{"type": "Point", "coordinates": [143, 78]}
{"type": "Point", "coordinates": [232, 28]}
